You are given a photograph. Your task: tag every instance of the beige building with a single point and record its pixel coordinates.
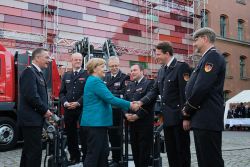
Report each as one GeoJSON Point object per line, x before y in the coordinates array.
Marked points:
{"type": "Point", "coordinates": [231, 21]}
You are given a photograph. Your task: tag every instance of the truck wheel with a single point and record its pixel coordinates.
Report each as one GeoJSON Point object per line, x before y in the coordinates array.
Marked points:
{"type": "Point", "coordinates": [8, 133]}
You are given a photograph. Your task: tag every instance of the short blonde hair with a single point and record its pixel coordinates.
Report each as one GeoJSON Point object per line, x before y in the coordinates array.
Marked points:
{"type": "Point", "coordinates": [93, 63]}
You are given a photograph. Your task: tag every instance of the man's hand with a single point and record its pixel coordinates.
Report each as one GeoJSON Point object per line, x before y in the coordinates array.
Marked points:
{"type": "Point", "coordinates": [131, 117]}
{"type": "Point", "coordinates": [186, 125]}
{"type": "Point", "coordinates": [128, 116]}
{"type": "Point", "coordinates": [134, 106]}
{"type": "Point", "coordinates": [48, 114]}
{"type": "Point", "coordinates": [66, 105]}
{"type": "Point", "coordinates": [139, 103]}
{"type": "Point", "coordinates": [73, 105]}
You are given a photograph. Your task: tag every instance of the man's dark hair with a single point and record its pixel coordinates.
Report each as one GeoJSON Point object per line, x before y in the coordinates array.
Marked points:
{"type": "Point", "coordinates": [165, 47]}
{"type": "Point", "coordinates": [139, 65]}
{"type": "Point", "coordinates": [36, 52]}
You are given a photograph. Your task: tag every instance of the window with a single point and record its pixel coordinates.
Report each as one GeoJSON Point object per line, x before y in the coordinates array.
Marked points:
{"type": "Point", "coordinates": [226, 56]}
{"type": "Point", "coordinates": [240, 29]}
{"type": "Point", "coordinates": [223, 26]}
{"type": "Point", "coordinates": [242, 67]}
{"type": "Point", "coordinates": [204, 20]}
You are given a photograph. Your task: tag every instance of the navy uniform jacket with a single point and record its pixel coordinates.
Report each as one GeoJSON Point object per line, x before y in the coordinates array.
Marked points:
{"type": "Point", "coordinates": [33, 98]}
{"type": "Point", "coordinates": [136, 92]}
{"type": "Point", "coordinates": [204, 92]}
{"type": "Point", "coordinates": [72, 88]}
{"type": "Point", "coordinates": [116, 85]}
{"type": "Point", "coordinates": [170, 85]}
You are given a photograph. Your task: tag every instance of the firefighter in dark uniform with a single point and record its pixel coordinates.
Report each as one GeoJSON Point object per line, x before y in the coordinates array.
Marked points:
{"type": "Point", "coordinates": [204, 95]}
{"type": "Point", "coordinates": [115, 81]}
{"type": "Point", "coordinates": [33, 108]}
{"type": "Point", "coordinates": [170, 85]}
{"type": "Point", "coordinates": [71, 97]}
{"type": "Point", "coordinates": [141, 121]}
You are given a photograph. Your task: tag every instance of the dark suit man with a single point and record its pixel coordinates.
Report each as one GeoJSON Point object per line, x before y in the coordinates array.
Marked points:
{"type": "Point", "coordinates": [115, 81]}
{"type": "Point", "coordinates": [141, 121]}
{"type": "Point", "coordinates": [33, 108]}
{"type": "Point", "coordinates": [71, 97]}
{"type": "Point", "coordinates": [170, 85]}
{"type": "Point", "coordinates": [204, 95]}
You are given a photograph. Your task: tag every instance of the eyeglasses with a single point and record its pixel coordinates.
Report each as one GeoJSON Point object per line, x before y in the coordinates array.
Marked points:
{"type": "Point", "coordinates": [113, 66]}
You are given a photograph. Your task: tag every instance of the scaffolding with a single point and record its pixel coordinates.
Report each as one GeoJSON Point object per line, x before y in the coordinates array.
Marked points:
{"type": "Point", "coordinates": [49, 37]}
{"type": "Point", "coordinates": [198, 15]}
{"type": "Point", "coordinates": [152, 27]}
{"type": "Point", "coordinates": [50, 26]}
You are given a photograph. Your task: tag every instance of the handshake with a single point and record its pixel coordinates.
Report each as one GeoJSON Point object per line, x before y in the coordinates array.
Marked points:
{"type": "Point", "coordinates": [135, 105]}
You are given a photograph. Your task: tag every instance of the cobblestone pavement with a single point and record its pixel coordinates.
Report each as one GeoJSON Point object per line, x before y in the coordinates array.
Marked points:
{"type": "Point", "coordinates": [236, 152]}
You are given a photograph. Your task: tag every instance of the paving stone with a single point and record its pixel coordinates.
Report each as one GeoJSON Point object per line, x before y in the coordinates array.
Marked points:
{"type": "Point", "coordinates": [235, 146]}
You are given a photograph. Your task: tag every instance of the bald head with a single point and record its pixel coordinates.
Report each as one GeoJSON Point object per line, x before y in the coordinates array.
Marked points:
{"type": "Point", "coordinates": [76, 59]}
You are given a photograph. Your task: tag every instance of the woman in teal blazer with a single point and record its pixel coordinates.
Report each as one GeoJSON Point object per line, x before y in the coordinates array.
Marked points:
{"type": "Point", "coordinates": [97, 114]}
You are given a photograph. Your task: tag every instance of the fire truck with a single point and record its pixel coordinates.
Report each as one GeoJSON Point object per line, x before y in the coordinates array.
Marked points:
{"type": "Point", "coordinates": [11, 66]}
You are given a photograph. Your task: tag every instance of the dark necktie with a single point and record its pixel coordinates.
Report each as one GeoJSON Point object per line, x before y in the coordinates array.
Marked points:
{"type": "Point", "coordinates": [75, 73]}
{"type": "Point", "coordinates": [112, 77]}
{"type": "Point", "coordinates": [41, 73]}
{"type": "Point", "coordinates": [136, 83]}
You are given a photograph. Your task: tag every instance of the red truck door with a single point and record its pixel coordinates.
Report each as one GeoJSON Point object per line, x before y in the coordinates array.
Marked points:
{"type": "Point", "coordinates": [2, 77]}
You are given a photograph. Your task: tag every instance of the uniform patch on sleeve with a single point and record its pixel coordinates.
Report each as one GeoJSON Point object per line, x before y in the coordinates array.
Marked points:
{"type": "Point", "coordinates": [186, 76]}
{"type": "Point", "coordinates": [208, 67]}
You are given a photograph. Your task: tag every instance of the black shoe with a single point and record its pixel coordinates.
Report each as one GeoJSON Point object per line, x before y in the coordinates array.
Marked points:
{"type": "Point", "coordinates": [114, 164]}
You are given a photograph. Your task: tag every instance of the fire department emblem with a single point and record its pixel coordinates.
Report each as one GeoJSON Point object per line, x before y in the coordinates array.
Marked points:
{"type": "Point", "coordinates": [208, 67]}
{"type": "Point", "coordinates": [186, 76]}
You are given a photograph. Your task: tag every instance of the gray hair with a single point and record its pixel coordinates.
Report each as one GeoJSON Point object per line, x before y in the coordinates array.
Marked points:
{"type": "Point", "coordinates": [115, 58]}
{"type": "Point", "coordinates": [205, 31]}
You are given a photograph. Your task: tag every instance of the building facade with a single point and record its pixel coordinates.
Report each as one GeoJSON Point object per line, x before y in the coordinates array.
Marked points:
{"type": "Point", "coordinates": [134, 26]}
{"type": "Point", "coordinates": [231, 21]}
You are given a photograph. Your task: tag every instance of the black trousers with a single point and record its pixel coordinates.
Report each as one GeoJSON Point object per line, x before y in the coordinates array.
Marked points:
{"type": "Point", "coordinates": [32, 149]}
{"type": "Point", "coordinates": [177, 146]}
{"type": "Point", "coordinates": [71, 120]}
{"type": "Point", "coordinates": [208, 148]}
{"type": "Point", "coordinates": [115, 135]}
{"type": "Point", "coordinates": [141, 139]}
{"type": "Point", "coordinates": [83, 139]}
{"type": "Point", "coordinates": [97, 143]}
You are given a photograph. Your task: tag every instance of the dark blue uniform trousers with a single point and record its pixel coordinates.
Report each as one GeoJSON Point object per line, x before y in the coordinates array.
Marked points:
{"type": "Point", "coordinates": [208, 148]}
{"type": "Point", "coordinates": [32, 149]}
